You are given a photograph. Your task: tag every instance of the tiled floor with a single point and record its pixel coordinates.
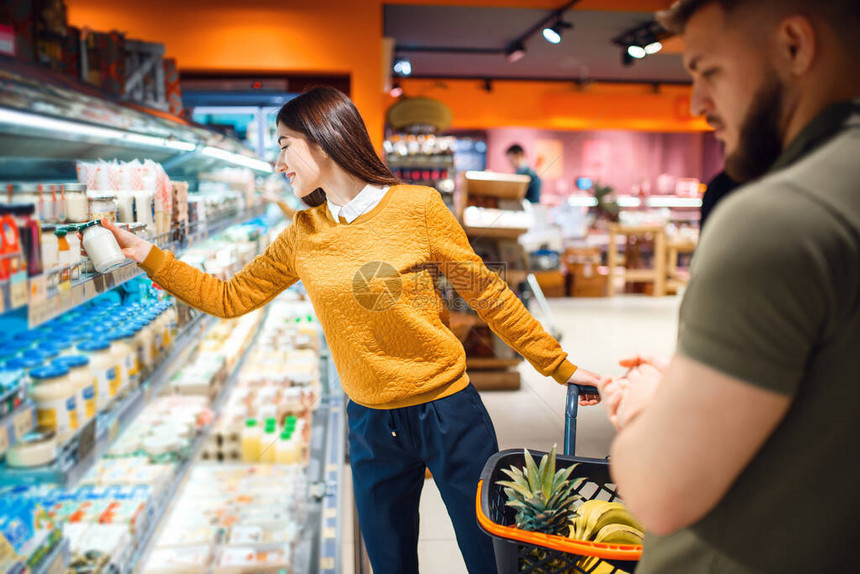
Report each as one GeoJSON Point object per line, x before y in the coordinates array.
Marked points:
{"type": "Point", "coordinates": [595, 333]}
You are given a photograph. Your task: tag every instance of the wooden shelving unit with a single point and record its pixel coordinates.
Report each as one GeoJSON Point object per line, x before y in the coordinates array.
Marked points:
{"type": "Point", "coordinates": [497, 372]}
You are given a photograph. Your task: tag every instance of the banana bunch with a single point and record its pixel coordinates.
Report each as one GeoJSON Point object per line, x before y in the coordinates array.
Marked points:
{"type": "Point", "coordinates": [607, 522]}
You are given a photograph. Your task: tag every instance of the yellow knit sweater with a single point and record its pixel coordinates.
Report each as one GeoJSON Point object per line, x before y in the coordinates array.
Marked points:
{"type": "Point", "coordinates": [372, 286]}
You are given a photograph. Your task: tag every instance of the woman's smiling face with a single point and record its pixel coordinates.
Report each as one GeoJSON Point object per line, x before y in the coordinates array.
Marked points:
{"type": "Point", "coordinates": [300, 160]}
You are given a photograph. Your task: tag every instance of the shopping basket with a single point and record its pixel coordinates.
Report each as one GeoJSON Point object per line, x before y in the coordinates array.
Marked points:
{"type": "Point", "coordinates": [538, 553]}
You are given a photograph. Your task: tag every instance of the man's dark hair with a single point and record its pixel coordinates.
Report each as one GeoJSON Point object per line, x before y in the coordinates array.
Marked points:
{"type": "Point", "coordinates": [843, 15]}
{"type": "Point", "coordinates": [516, 149]}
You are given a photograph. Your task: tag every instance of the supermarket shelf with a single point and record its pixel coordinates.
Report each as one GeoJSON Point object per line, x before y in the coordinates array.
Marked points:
{"type": "Point", "coordinates": [674, 202]}
{"type": "Point", "coordinates": [490, 363]}
{"type": "Point", "coordinates": [318, 551]}
{"type": "Point", "coordinates": [582, 201]}
{"type": "Point", "coordinates": [670, 201]}
{"type": "Point", "coordinates": [83, 450]}
{"type": "Point", "coordinates": [158, 513]}
{"type": "Point", "coordinates": [501, 185]}
{"type": "Point", "coordinates": [155, 523]}
{"type": "Point", "coordinates": [45, 115]}
{"type": "Point", "coordinates": [47, 302]}
{"type": "Point", "coordinates": [494, 232]}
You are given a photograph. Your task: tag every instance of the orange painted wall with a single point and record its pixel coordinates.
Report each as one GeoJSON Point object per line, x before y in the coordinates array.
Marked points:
{"type": "Point", "coordinates": [345, 36]}
{"type": "Point", "coordinates": [560, 106]}
{"type": "Point", "coordinates": [258, 35]}
{"type": "Point", "coordinates": [604, 5]}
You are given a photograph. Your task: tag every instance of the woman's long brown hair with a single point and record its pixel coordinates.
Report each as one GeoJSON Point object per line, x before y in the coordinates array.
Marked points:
{"type": "Point", "coordinates": [329, 119]}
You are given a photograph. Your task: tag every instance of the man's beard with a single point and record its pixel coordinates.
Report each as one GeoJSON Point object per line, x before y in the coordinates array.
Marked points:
{"type": "Point", "coordinates": [760, 138]}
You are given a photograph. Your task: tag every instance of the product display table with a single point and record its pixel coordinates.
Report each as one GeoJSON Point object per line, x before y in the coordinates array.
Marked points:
{"type": "Point", "coordinates": [656, 274]}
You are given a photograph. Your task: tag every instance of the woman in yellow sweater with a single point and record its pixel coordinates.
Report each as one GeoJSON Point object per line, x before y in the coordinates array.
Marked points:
{"type": "Point", "coordinates": [368, 251]}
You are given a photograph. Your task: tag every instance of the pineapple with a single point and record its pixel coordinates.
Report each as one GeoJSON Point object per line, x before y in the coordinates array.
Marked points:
{"type": "Point", "coordinates": [544, 498]}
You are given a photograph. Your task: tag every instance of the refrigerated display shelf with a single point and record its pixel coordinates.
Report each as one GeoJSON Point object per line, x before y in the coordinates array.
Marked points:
{"type": "Point", "coordinates": [47, 303]}
{"type": "Point", "coordinates": [154, 525]}
{"type": "Point", "coordinates": [318, 549]}
{"type": "Point", "coordinates": [84, 449]}
{"type": "Point", "coordinates": [160, 511]}
{"type": "Point", "coordinates": [654, 201]}
{"type": "Point", "coordinates": [45, 115]}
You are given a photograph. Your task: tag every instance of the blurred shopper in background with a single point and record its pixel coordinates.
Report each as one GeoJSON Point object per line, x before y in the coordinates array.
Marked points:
{"type": "Point", "coordinates": [517, 156]}
{"type": "Point", "coordinates": [740, 454]}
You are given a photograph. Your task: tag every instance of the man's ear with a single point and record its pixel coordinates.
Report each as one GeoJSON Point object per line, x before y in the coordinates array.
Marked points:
{"type": "Point", "coordinates": [796, 45]}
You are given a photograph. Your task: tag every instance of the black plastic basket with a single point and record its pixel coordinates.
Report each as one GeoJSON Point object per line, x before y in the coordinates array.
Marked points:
{"type": "Point", "coordinates": [521, 551]}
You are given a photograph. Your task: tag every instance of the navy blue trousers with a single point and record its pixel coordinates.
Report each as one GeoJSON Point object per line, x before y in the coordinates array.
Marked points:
{"type": "Point", "coordinates": [388, 450]}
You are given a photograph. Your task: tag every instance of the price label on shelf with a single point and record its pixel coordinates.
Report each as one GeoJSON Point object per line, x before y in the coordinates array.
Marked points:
{"type": "Point", "coordinates": [326, 563]}
{"type": "Point", "coordinates": [64, 296]}
{"type": "Point", "coordinates": [89, 290]}
{"type": "Point", "coordinates": [38, 289]}
{"type": "Point", "coordinates": [18, 290]}
{"type": "Point", "coordinates": [42, 311]}
{"type": "Point", "coordinates": [23, 423]}
{"type": "Point", "coordinates": [113, 430]}
{"type": "Point", "coordinates": [77, 295]}
{"type": "Point", "coordinates": [87, 439]}
{"type": "Point", "coordinates": [4, 440]}
{"type": "Point", "coordinates": [99, 283]}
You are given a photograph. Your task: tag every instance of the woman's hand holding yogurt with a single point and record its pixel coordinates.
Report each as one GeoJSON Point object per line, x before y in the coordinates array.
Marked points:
{"type": "Point", "coordinates": [134, 247]}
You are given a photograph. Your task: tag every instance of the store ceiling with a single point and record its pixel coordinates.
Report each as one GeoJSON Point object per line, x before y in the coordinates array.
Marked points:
{"type": "Point", "coordinates": [585, 53]}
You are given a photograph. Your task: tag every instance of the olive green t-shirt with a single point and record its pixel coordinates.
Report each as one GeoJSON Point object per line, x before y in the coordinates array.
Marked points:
{"type": "Point", "coordinates": [774, 300]}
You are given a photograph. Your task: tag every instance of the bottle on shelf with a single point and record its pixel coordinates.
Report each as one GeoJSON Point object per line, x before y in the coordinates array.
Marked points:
{"type": "Point", "coordinates": [286, 449]}
{"type": "Point", "coordinates": [251, 435]}
{"type": "Point", "coordinates": [64, 255]}
{"type": "Point", "coordinates": [105, 368]}
{"type": "Point", "coordinates": [82, 378]}
{"type": "Point", "coordinates": [269, 443]}
{"type": "Point", "coordinates": [54, 396]}
{"type": "Point", "coordinates": [123, 357]}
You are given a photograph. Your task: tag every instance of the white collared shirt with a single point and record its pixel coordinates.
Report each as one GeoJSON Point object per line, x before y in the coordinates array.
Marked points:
{"type": "Point", "coordinates": [367, 199]}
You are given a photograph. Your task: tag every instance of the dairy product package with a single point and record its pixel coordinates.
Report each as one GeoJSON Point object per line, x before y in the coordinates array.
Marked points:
{"type": "Point", "coordinates": [179, 560]}
{"type": "Point", "coordinates": [240, 560]}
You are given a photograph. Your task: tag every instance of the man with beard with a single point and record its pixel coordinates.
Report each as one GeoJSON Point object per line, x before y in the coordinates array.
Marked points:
{"type": "Point", "coordinates": [740, 455]}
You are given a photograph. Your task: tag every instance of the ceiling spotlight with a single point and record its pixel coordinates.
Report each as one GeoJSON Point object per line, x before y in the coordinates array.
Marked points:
{"type": "Point", "coordinates": [552, 34]}
{"type": "Point", "coordinates": [653, 48]}
{"type": "Point", "coordinates": [637, 52]}
{"type": "Point", "coordinates": [403, 67]}
{"type": "Point", "coordinates": [396, 90]}
{"type": "Point", "coordinates": [515, 52]}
